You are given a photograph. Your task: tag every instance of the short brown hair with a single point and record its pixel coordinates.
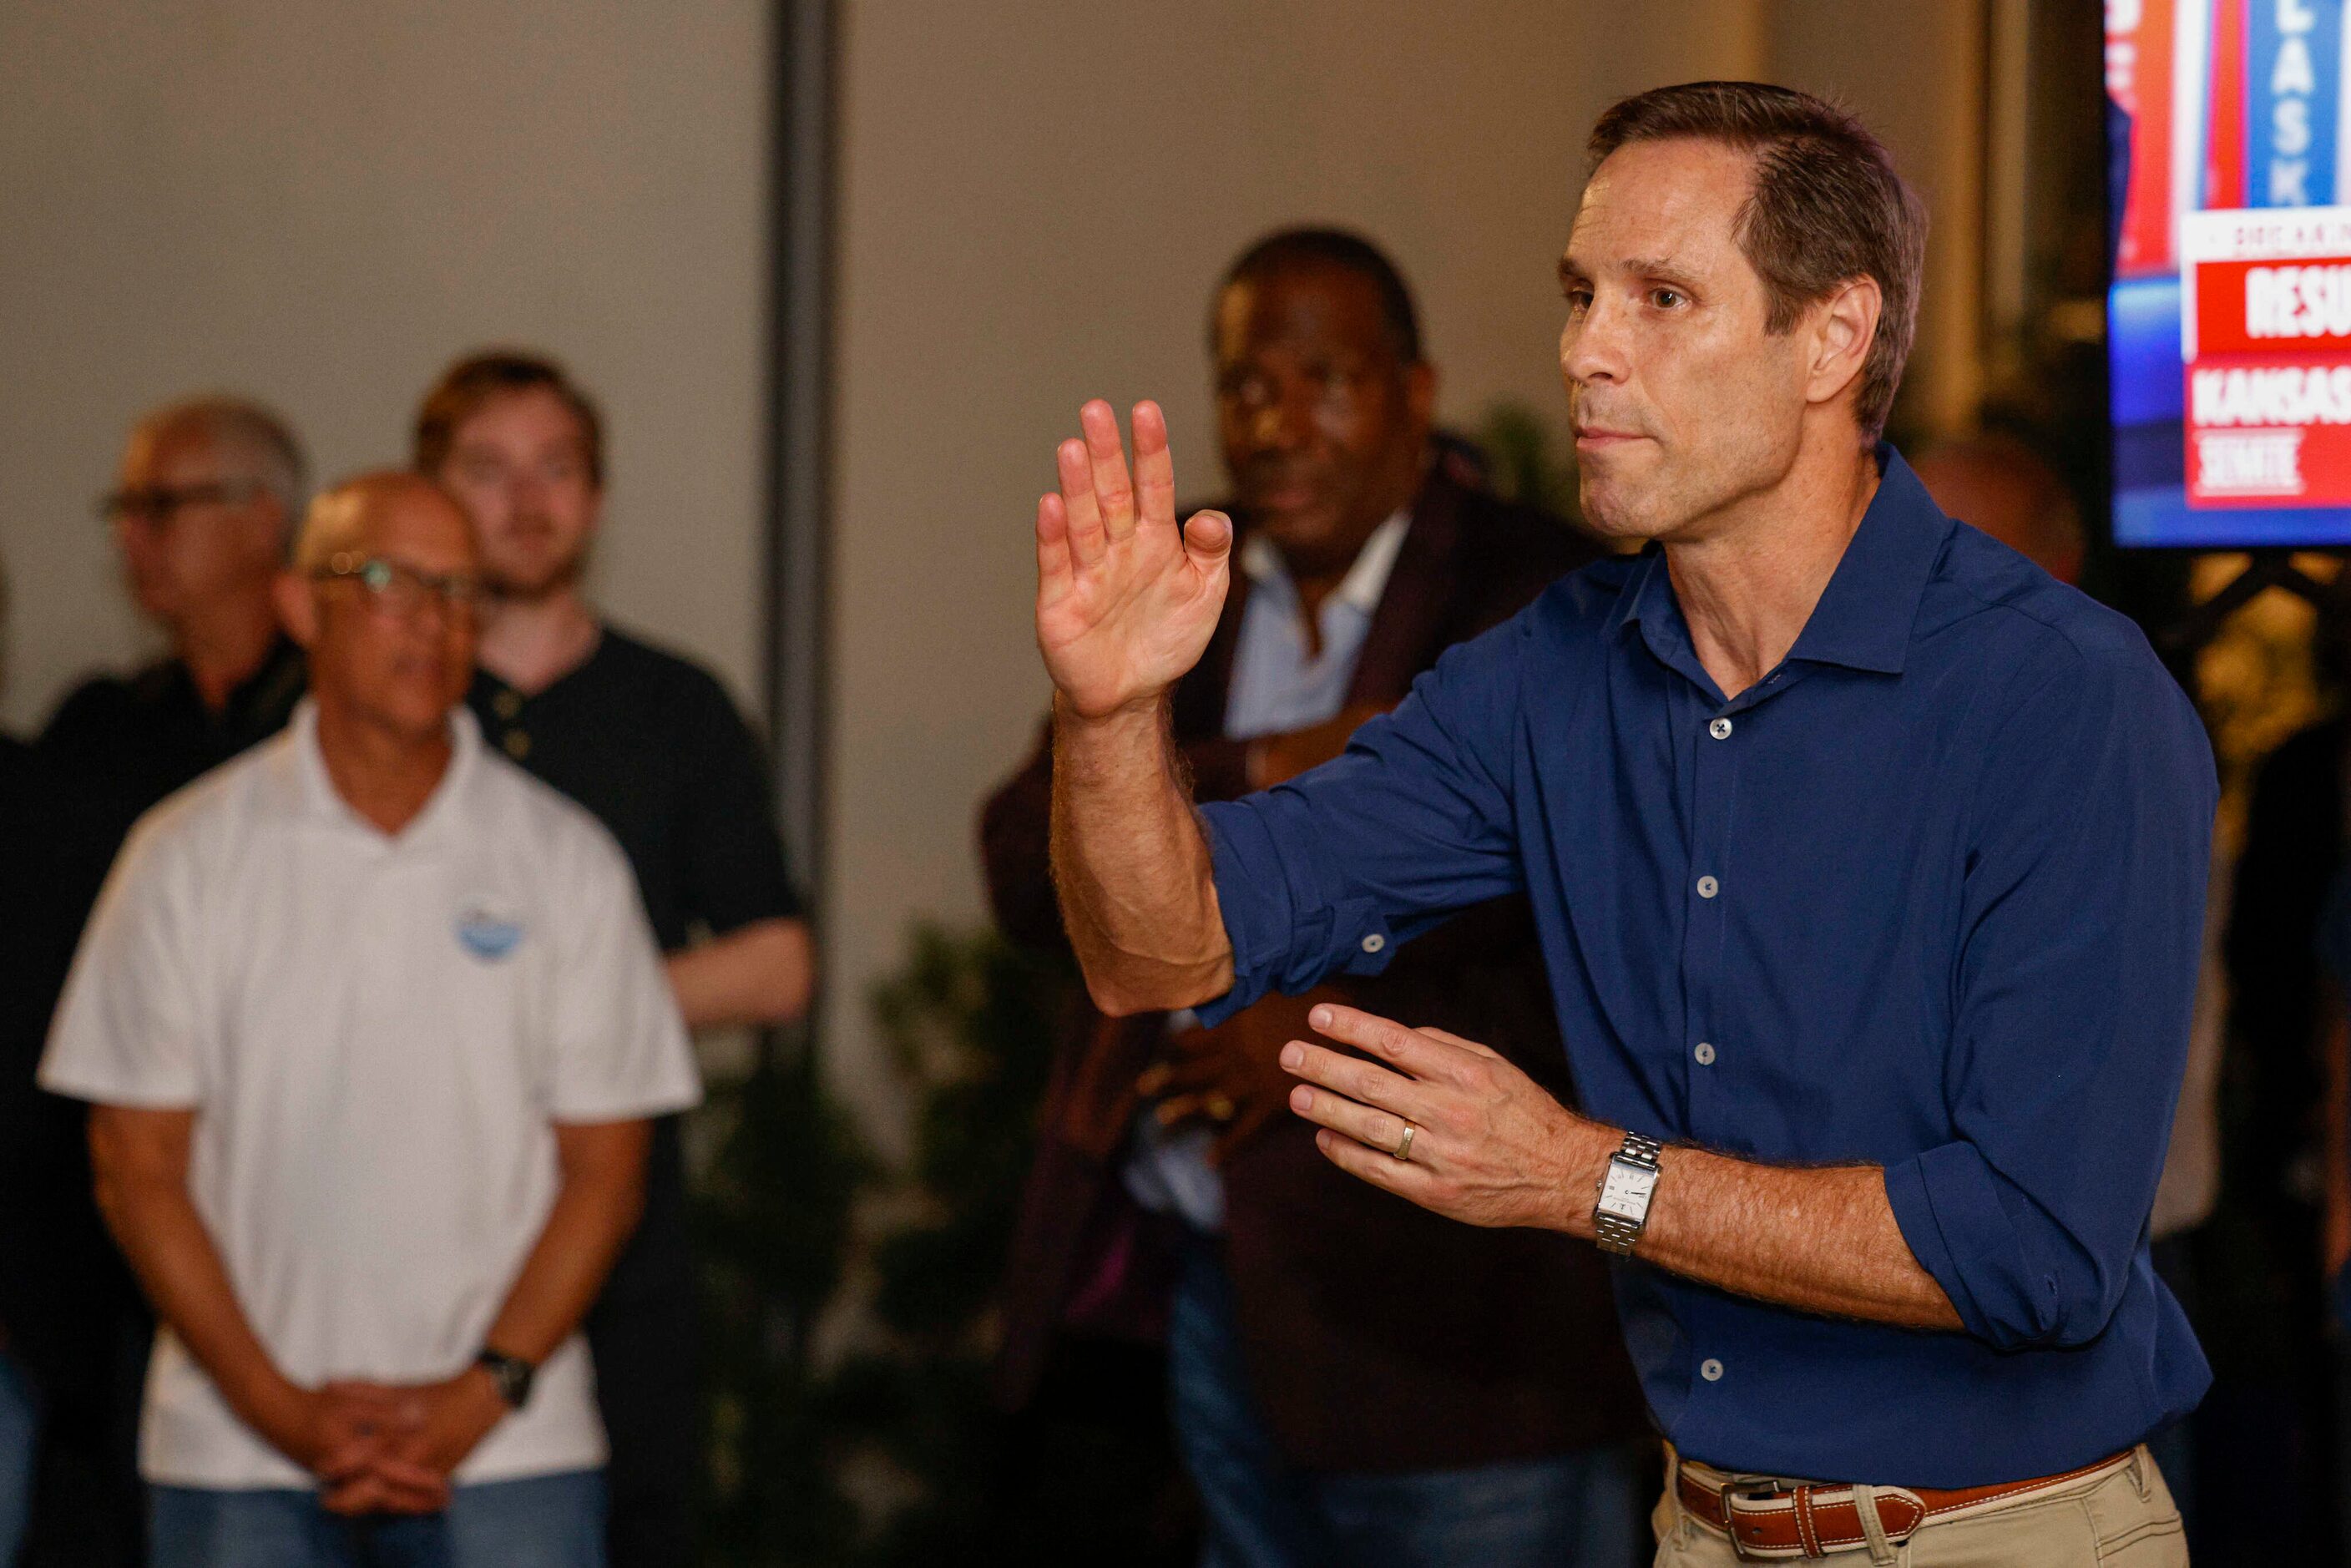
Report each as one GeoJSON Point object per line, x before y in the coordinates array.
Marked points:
{"type": "Point", "coordinates": [478, 379]}
{"type": "Point", "coordinates": [1827, 207]}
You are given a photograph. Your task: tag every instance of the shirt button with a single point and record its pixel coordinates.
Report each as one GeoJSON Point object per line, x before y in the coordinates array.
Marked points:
{"type": "Point", "coordinates": [1374, 942]}
{"type": "Point", "coordinates": [508, 703]}
{"type": "Point", "coordinates": [1720, 729]}
{"type": "Point", "coordinates": [1710, 1369]}
{"type": "Point", "coordinates": [1707, 887]}
{"type": "Point", "coordinates": [1705, 1054]}
{"type": "Point", "coordinates": [518, 744]}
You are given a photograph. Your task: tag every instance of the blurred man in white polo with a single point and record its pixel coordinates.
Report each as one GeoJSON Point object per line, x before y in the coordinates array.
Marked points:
{"type": "Point", "coordinates": [373, 1025]}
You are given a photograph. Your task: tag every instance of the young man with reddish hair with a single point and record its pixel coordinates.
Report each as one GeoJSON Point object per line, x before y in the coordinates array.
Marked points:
{"type": "Point", "coordinates": [651, 745]}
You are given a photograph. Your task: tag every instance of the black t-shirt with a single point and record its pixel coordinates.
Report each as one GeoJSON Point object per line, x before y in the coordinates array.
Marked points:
{"type": "Point", "coordinates": [115, 748]}
{"type": "Point", "coordinates": [118, 745]}
{"type": "Point", "coordinates": [650, 744]}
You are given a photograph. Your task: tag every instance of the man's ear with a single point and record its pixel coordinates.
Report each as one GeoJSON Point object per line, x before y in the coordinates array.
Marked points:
{"type": "Point", "coordinates": [1843, 327]}
{"type": "Point", "coordinates": [298, 606]}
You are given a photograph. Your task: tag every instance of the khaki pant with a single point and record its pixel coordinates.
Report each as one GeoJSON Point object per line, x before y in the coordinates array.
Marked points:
{"type": "Point", "coordinates": [2124, 1518]}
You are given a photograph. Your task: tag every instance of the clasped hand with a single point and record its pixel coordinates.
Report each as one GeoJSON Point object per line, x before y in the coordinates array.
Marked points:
{"type": "Point", "coordinates": [379, 1448]}
{"type": "Point", "coordinates": [1229, 1077]}
{"type": "Point", "coordinates": [1489, 1145]}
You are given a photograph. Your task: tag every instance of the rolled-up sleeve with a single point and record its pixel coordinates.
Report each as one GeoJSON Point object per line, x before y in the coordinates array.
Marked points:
{"type": "Point", "coordinates": [2075, 975]}
{"type": "Point", "coordinates": [1334, 869]}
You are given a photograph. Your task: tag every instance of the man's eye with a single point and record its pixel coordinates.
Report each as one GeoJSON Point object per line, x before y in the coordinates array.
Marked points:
{"type": "Point", "coordinates": [1579, 301]}
{"type": "Point", "coordinates": [1664, 299]}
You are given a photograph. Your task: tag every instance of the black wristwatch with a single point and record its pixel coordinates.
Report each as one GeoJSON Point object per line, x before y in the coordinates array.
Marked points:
{"type": "Point", "coordinates": [511, 1373]}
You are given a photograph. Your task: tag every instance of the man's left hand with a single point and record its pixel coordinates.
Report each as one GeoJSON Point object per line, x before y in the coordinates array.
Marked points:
{"type": "Point", "coordinates": [1229, 1076]}
{"type": "Point", "coordinates": [1490, 1146]}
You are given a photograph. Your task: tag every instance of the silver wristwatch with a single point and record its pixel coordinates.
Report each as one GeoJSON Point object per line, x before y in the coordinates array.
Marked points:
{"type": "Point", "coordinates": [1624, 1206]}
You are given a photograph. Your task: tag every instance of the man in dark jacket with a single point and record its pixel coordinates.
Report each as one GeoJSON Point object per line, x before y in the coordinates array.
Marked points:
{"type": "Point", "coordinates": [1351, 1380]}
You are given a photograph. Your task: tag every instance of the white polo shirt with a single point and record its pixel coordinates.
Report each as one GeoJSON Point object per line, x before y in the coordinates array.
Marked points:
{"type": "Point", "coordinates": [376, 1034]}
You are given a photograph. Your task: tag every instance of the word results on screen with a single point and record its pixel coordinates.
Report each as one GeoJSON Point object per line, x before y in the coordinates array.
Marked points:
{"type": "Point", "coordinates": [2229, 318]}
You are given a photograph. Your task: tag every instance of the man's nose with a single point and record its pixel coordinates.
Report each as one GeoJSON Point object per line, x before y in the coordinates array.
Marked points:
{"type": "Point", "coordinates": [524, 492]}
{"type": "Point", "coordinates": [1283, 422]}
{"type": "Point", "coordinates": [1592, 348]}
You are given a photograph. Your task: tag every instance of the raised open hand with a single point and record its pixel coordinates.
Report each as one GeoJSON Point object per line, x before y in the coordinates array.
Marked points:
{"type": "Point", "coordinates": [1126, 600]}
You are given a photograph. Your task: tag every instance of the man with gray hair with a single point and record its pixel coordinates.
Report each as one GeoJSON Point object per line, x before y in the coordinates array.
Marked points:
{"type": "Point", "coordinates": [207, 491]}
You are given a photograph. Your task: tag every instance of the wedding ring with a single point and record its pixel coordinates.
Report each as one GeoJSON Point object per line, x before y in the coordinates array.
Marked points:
{"type": "Point", "coordinates": [1404, 1146]}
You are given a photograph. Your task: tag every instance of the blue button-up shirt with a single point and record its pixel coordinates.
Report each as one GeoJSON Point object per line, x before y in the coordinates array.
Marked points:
{"type": "Point", "coordinates": [1928, 897]}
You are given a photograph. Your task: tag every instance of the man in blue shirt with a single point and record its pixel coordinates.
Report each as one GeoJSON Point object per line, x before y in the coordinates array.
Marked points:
{"type": "Point", "coordinates": [1869, 862]}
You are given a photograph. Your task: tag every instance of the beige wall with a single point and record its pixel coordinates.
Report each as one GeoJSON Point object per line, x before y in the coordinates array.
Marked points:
{"type": "Point", "coordinates": [1915, 76]}
{"type": "Point", "coordinates": [322, 204]}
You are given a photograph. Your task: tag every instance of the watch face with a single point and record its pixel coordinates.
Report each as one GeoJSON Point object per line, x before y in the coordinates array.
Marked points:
{"type": "Point", "coordinates": [512, 1375]}
{"type": "Point", "coordinates": [1627, 1194]}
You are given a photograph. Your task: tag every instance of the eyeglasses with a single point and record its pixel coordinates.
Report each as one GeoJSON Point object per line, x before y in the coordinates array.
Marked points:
{"type": "Point", "coordinates": [157, 505]}
{"type": "Point", "coordinates": [399, 588]}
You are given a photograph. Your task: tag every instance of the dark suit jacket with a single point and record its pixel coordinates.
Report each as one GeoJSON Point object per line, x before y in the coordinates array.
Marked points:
{"type": "Point", "coordinates": [1377, 1336]}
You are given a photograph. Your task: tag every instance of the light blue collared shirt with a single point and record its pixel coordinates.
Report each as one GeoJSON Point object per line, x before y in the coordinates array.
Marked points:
{"type": "Point", "coordinates": [1277, 687]}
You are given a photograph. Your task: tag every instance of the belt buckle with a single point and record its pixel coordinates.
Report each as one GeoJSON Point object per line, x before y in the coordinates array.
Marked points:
{"type": "Point", "coordinates": [1731, 1496]}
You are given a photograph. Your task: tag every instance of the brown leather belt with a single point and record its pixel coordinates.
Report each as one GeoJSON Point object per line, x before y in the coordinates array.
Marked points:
{"type": "Point", "coordinates": [1767, 1521]}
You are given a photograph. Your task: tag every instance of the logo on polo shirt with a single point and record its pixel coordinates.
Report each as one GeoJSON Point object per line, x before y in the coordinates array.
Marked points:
{"type": "Point", "coordinates": [486, 934]}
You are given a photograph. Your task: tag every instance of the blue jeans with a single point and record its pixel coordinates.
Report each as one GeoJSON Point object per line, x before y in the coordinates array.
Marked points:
{"type": "Point", "coordinates": [20, 1431]}
{"type": "Point", "coordinates": [541, 1521]}
{"type": "Point", "coordinates": [1577, 1508]}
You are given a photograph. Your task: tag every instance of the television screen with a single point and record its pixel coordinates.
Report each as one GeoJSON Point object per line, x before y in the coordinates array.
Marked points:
{"type": "Point", "coordinates": [2229, 318]}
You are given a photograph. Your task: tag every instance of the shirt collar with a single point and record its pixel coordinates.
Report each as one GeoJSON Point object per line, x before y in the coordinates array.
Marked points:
{"type": "Point", "coordinates": [1866, 612]}
{"type": "Point", "coordinates": [314, 794]}
{"type": "Point", "coordinates": [1366, 580]}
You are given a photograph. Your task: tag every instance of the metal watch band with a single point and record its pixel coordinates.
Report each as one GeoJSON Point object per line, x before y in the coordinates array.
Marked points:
{"type": "Point", "coordinates": [1613, 1232]}
{"type": "Point", "coordinates": [1639, 1151]}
